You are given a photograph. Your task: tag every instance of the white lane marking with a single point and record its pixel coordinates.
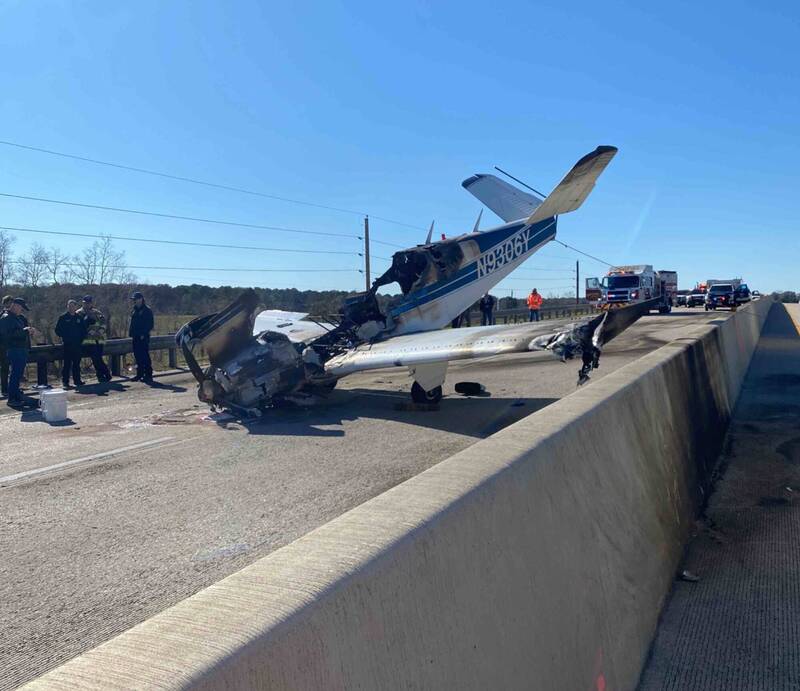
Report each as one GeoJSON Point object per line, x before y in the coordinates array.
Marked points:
{"type": "Point", "coordinates": [84, 459]}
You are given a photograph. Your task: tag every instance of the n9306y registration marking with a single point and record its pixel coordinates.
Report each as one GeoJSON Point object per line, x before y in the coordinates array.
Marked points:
{"type": "Point", "coordinates": [504, 253]}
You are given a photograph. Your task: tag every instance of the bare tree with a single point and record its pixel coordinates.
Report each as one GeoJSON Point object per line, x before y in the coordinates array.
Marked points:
{"type": "Point", "coordinates": [111, 263]}
{"type": "Point", "coordinates": [58, 266]}
{"type": "Point", "coordinates": [6, 257]}
{"type": "Point", "coordinates": [32, 266]}
{"type": "Point", "coordinates": [85, 265]}
{"type": "Point", "coordinates": [101, 263]}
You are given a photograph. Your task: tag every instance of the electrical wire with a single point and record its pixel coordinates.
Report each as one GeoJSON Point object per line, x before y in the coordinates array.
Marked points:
{"type": "Point", "coordinates": [195, 181]}
{"type": "Point", "coordinates": [200, 268]}
{"type": "Point", "coordinates": [126, 238]}
{"type": "Point", "coordinates": [194, 219]}
{"type": "Point", "coordinates": [548, 278]}
{"type": "Point", "coordinates": [585, 254]}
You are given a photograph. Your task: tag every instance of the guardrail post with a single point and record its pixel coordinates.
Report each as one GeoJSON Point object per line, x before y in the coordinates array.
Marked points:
{"type": "Point", "coordinates": [115, 365]}
{"type": "Point", "coordinates": [173, 358]}
{"type": "Point", "coordinates": [41, 372]}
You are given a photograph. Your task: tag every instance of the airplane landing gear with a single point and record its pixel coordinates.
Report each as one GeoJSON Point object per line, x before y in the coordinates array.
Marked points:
{"type": "Point", "coordinates": [428, 379]}
{"type": "Point", "coordinates": [420, 395]}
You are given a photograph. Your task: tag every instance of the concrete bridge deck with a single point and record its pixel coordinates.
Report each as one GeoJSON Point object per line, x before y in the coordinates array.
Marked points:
{"type": "Point", "coordinates": [155, 503]}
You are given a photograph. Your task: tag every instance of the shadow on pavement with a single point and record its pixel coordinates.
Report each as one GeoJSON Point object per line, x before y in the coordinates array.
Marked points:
{"type": "Point", "coordinates": [167, 387]}
{"type": "Point", "coordinates": [100, 388]}
{"type": "Point", "coordinates": [474, 416]}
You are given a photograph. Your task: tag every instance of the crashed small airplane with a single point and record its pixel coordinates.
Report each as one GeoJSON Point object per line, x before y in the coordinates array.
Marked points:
{"type": "Point", "coordinates": [256, 361]}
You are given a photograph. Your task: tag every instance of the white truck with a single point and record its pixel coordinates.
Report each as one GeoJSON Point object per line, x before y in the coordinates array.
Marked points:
{"type": "Point", "coordinates": [624, 285]}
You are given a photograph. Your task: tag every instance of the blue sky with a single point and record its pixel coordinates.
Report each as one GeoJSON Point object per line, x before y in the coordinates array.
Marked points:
{"type": "Point", "coordinates": [385, 108]}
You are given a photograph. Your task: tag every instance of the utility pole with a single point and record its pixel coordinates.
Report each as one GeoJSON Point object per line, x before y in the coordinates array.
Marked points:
{"type": "Point", "coordinates": [577, 281]}
{"type": "Point", "coordinates": [366, 250]}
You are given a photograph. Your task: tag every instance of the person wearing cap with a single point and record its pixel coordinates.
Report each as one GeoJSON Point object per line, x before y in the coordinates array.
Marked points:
{"type": "Point", "coordinates": [16, 334]}
{"type": "Point", "coordinates": [71, 329]}
{"type": "Point", "coordinates": [94, 337]}
{"type": "Point", "coordinates": [3, 359]}
{"type": "Point", "coordinates": [142, 324]}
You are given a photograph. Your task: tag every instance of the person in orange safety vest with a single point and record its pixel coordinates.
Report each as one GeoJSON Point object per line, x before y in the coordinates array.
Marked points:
{"type": "Point", "coordinates": [534, 305]}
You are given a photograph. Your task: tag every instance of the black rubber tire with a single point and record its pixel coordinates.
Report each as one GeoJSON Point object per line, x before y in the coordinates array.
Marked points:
{"type": "Point", "coordinates": [419, 395]}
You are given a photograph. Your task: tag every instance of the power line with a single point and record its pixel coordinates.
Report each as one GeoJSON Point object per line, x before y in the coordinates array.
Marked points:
{"type": "Point", "coordinates": [180, 218]}
{"type": "Point", "coordinates": [388, 244]}
{"type": "Point", "coordinates": [585, 254]}
{"type": "Point", "coordinates": [202, 268]}
{"type": "Point", "coordinates": [541, 268]}
{"type": "Point", "coordinates": [126, 238]}
{"type": "Point", "coordinates": [557, 278]}
{"type": "Point", "coordinates": [195, 181]}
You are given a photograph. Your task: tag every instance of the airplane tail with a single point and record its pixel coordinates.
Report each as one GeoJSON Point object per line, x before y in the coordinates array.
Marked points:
{"type": "Point", "coordinates": [571, 192]}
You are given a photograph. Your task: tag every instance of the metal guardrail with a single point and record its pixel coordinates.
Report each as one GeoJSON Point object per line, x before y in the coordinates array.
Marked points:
{"type": "Point", "coordinates": [521, 314]}
{"type": "Point", "coordinates": [115, 348]}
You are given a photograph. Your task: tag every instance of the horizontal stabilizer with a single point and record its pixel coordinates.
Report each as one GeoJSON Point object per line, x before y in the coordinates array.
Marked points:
{"type": "Point", "coordinates": [505, 200]}
{"type": "Point", "coordinates": [571, 192]}
{"type": "Point", "coordinates": [289, 323]}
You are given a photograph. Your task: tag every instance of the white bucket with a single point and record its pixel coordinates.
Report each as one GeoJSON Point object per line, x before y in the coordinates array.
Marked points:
{"type": "Point", "coordinates": [54, 405]}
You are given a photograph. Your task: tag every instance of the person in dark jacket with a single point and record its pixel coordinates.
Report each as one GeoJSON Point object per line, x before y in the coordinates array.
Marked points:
{"type": "Point", "coordinates": [141, 325]}
{"type": "Point", "coordinates": [71, 329]}
{"type": "Point", "coordinates": [3, 359]}
{"type": "Point", "coordinates": [16, 334]}
{"type": "Point", "coordinates": [95, 337]}
{"type": "Point", "coordinates": [487, 307]}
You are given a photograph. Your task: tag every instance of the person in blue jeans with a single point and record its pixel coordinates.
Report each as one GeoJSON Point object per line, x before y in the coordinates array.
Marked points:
{"type": "Point", "coordinates": [15, 332]}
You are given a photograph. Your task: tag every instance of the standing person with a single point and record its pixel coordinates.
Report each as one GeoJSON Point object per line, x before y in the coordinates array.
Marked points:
{"type": "Point", "coordinates": [487, 304]}
{"type": "Point", "coordinates": [95, 337]}
{"type": "Point", "coordinates": [3, 358]}
{"type": "Point", "coordinates": [16, 334]}
{"type": "Point", "coordinates": [141, 325]}
{"type": "Point", "coordinates": [71, 329]}
{"type": "Point", "coordinates": [534, 305]}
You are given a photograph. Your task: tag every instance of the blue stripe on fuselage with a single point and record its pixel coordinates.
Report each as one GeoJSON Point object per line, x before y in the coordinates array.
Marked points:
{"type": "Point", "coordinates": [486, 241]}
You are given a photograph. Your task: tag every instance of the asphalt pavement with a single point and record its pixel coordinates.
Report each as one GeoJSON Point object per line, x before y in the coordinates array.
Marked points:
{"type": "Point", "coordinates": [142, 498]}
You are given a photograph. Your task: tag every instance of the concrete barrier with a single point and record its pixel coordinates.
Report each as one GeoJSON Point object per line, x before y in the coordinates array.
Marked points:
{"type": "Point", "coordinates": [537, 558]}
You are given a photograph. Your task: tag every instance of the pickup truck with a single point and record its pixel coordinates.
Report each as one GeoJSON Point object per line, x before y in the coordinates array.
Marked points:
{"type": "Point", "coordinates": [726, 295]}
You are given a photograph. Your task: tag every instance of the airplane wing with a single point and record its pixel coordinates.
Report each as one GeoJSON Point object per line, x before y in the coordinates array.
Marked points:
{"type": "Point", "coordinates": [565, 338]}
{"type": "Point", "coordinates": [439, 346]}
{"type": "Point", "coordinates": [505, 200]}
{"type": "Point", "coordinates": [289, 323]}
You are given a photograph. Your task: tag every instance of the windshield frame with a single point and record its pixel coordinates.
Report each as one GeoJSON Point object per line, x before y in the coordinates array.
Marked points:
{"type": "Point", "coordinates": [721, 288]}
{"type": "Point", "coordinates": [622, 282]}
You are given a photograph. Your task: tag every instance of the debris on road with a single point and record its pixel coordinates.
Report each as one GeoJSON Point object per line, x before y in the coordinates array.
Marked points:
{"type": "Point", "coordinates": [470, 388]}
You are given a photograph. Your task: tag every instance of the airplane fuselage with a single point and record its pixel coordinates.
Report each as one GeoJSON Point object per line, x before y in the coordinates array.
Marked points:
{"type": "Point", "coordinates": [489, 256]}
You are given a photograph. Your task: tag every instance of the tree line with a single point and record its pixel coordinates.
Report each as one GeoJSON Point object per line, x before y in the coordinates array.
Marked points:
{"type": "Point", "coordinates": [96, 264]}
{"type": "Point", "coordinates": [49, 277]}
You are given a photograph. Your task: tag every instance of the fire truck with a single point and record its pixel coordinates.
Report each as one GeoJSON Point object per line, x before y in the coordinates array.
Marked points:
{"type": "Point", "coordinates": [624, 285]}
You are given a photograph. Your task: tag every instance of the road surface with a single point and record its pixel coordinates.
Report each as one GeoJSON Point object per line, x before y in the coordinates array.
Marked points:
{"type": "Point", "coordinates": [141, 499]}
